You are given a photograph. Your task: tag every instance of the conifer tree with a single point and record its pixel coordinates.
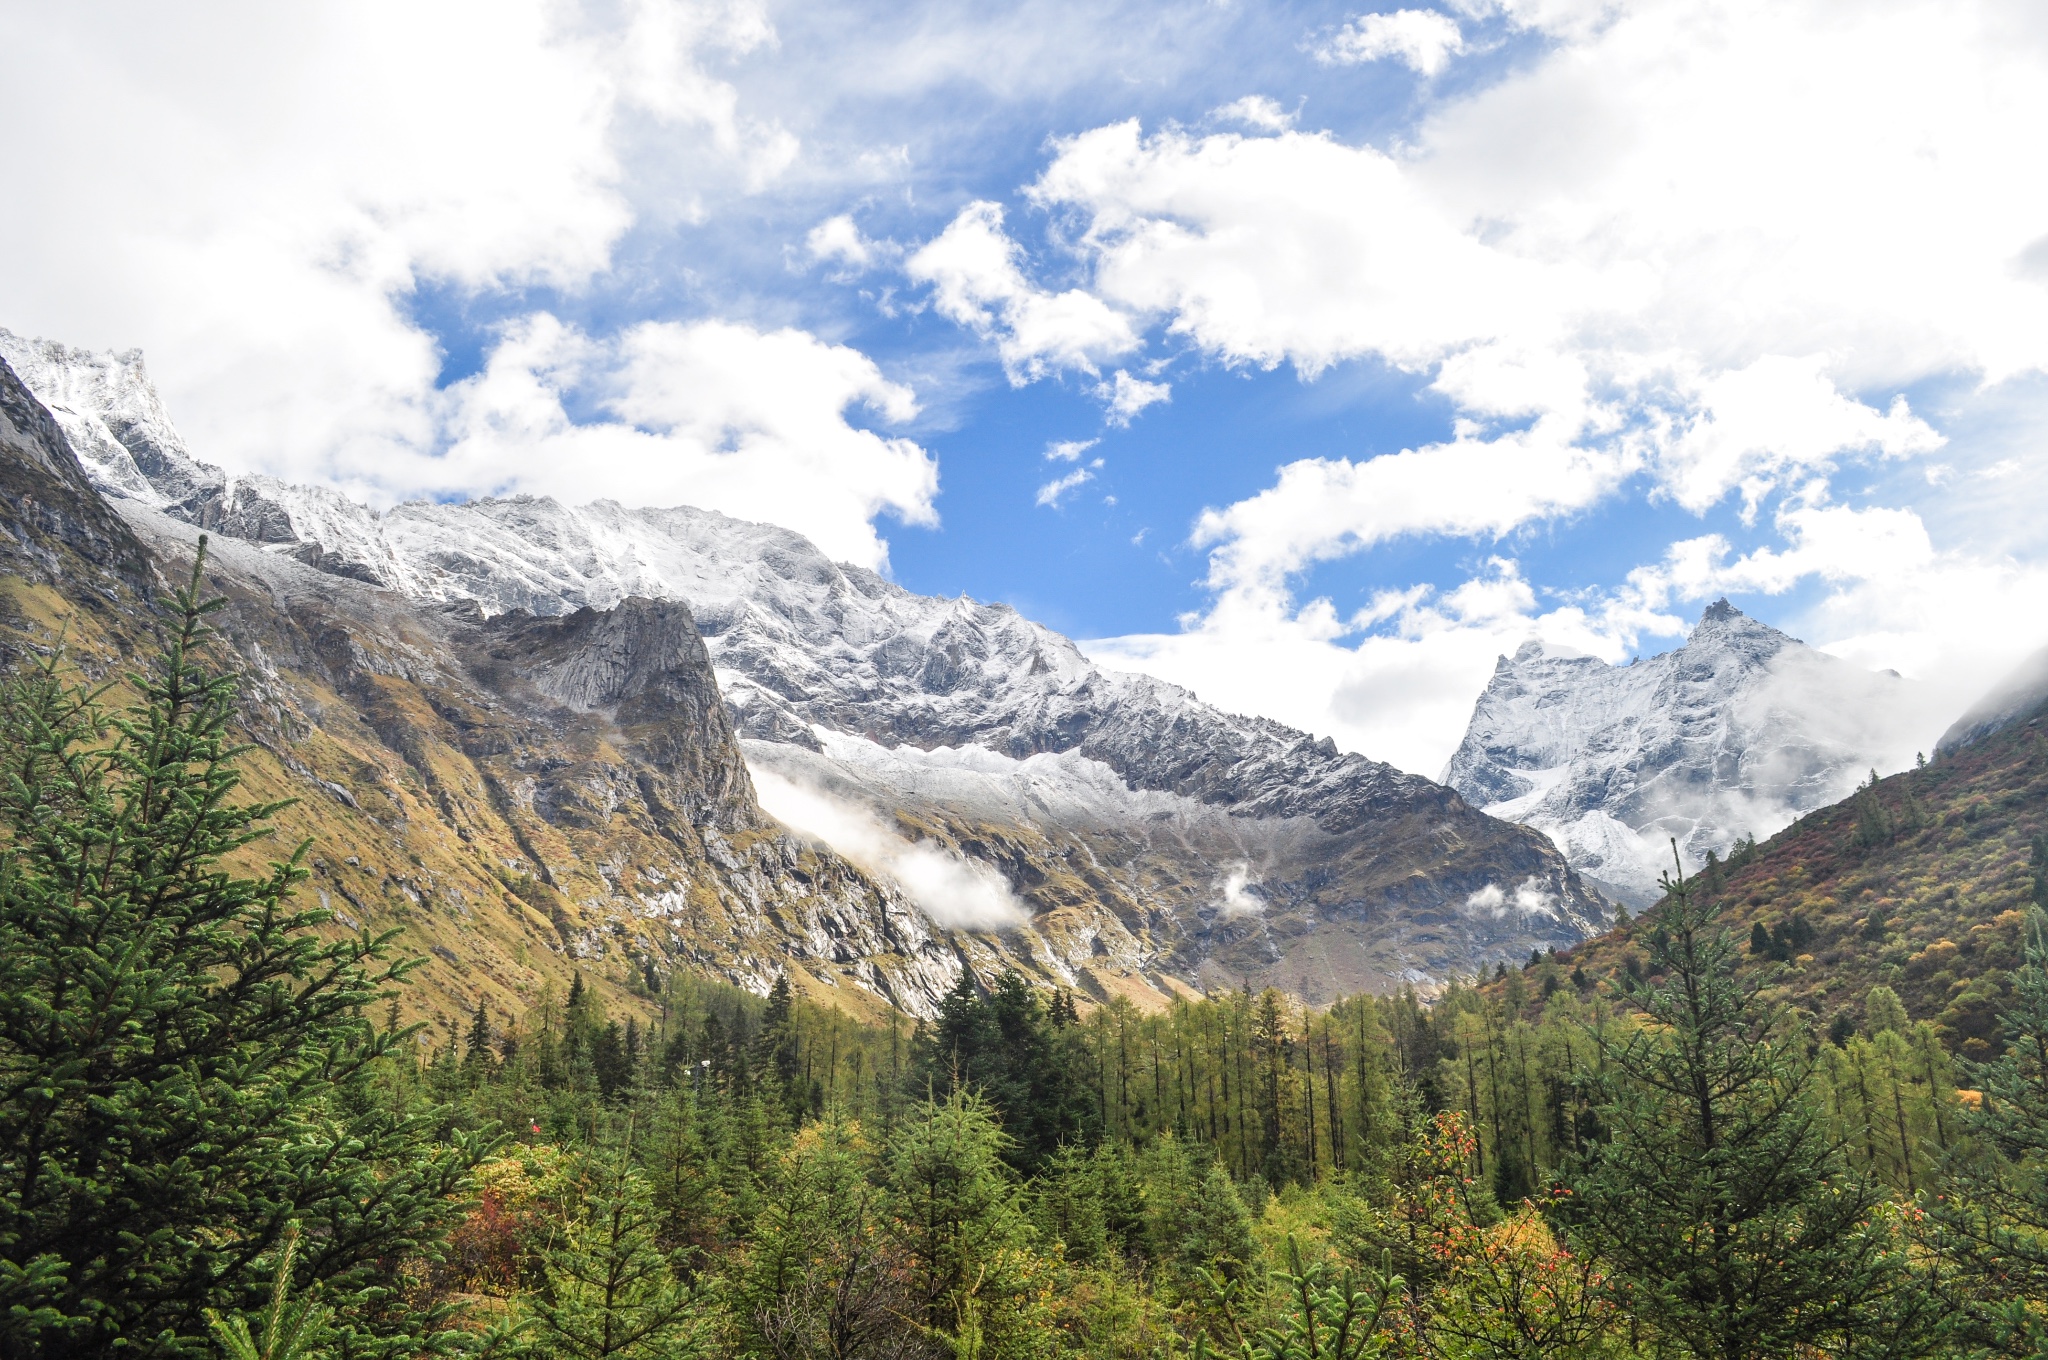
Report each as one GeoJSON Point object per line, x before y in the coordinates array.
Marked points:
{"type": "Point", "coordinates": [613, 1290]}
{"type": "Point", "coordinates": [1993, 1220]}
{"type": "Point", "coordinates": [1726, 1210]}
{"type": "Point", "coordinates": [184, 1063]}
{"type": "Point", "coordinates": [478, 1045]}
{"type": "Point", "coordinates": [821, 1280]}
{"type": "Point", "coordinates": [958, 1219]}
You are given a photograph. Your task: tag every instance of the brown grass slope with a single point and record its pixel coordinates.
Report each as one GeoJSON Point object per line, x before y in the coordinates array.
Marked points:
{"type": "Point", "coordinates": [1919, 882]}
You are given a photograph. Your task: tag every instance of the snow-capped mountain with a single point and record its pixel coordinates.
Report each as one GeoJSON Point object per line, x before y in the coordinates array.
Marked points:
{"type": "Point", "coordinates": [1735, 733]}
{"type": "Point", "coordinates": [1140, 834]}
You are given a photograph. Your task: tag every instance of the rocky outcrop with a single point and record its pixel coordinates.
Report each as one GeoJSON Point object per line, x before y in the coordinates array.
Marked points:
{"type": "Point", "coordinates": [1735, 733]}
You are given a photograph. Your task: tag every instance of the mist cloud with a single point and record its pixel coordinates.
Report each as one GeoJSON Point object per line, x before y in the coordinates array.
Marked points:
{"type": "Point", "coordinates": [1237, 896]}
{"type": "Point", "coordinates": [1531, 897]}
{"type": "Point", "coordinates": [956, 893]}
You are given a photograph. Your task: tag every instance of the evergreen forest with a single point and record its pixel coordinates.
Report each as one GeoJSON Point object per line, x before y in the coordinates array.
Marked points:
{"type": "Point", "coordinates": [219, 1137]}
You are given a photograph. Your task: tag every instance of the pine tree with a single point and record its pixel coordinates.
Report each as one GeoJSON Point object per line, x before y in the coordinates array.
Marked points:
{"type": "Point", "coordinates": [775, 1051]}
{"type": "Point", "coordinates": [820, 1279]}
{"type": "Point", "coordinates": [1720, 1201]}
{"type": "Point", "coordinates": [1329, 1314]}
{"type": "Point", "coordinates": [958, 1219]}
{"type": "Point", "coordinates": [184, 1064]}
{"type": "Point", "coordinates": [1874, 823]}
{"type": "Point", "coordinates": [1882, 1011]}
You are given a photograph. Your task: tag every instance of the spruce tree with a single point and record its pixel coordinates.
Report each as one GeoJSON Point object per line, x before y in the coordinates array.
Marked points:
{"type": "Point", "coordinates": [614, 1291]}
{"type": "Point", "coordinates": [184, 1063]}
{"type": "Point", "coordinates": [958, 1218]}
{"type": "Point", "coordinates": [1732, 1221]}
{"type": "Point", "coordinates": [478, 1049]}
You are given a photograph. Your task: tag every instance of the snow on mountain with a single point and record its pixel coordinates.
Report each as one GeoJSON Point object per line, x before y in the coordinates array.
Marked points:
{"type": "Point", "coordinates": [989, 738]}
{"type": "Point", "coordinates": [109, 411]}
{"type": "Point", "coordinates": [1735, 733]}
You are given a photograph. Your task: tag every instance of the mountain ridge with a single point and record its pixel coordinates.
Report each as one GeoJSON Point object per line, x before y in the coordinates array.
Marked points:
{"type": "Point", "coordinates": [1347, 873]}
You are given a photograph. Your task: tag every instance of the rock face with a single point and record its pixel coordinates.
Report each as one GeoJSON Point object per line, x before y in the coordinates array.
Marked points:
{"type": "Point", "coordinates": [1146, 839]}
{"type": "Point", "coordinates": [1735, 733]}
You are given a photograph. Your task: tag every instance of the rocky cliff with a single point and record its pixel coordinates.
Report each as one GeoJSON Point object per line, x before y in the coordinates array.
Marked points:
{"type": "Point", "coordinates": [521, 796]}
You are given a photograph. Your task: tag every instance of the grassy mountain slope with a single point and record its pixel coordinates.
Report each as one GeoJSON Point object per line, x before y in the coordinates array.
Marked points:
{"type": "Point", "coordinates": [1918, 882]}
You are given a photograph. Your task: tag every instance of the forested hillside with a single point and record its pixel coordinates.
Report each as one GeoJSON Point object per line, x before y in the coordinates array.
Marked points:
{"type": "Point", "coordinates": [1721, 1143]}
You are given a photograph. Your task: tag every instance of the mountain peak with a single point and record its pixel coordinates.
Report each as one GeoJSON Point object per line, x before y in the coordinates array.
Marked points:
{"type": "Point", "coordinates": [1736, 732]}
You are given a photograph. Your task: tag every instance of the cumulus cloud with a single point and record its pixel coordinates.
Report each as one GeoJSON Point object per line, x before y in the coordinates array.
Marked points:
{"type": "Point", "coordinates": [956, 893]}
{"type": "Point", "coordinates": [1774, 417]}
{"type": "Point", "coordinates": [1291, 248]}
{"type": "Point", "coordinates": [1422, 38]}
{"type": "Point", "coordinates": [977, 281]}
{"type": "Point", "coordinates": [839, 240]}
{"type": "Point", "coordinates": [266, 263]}
{"type": "Point", "coordinates": [1620, 274]}
{"type": "Point", "coordinates": [1068, 450]}
{"type": "Point", "coordinates": [1395, 679]}
{"type": "Point", "coordinates": [1255, 111]}
{"type": "Point", "coordinates": [710, 413]}
{"type": "Point", "coordinates": [1126, 396]}
{"type": "Point", "coordinates": [1329, 507]}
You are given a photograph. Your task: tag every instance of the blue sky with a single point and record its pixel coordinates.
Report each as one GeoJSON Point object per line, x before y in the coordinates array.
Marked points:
{"type": "Point", "coordinates": [1462, 322]}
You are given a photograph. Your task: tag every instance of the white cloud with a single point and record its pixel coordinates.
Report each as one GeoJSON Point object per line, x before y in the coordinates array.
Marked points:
{"type": "Point", "coordinates": [1395, 680]}
{"type": "Point", "coordinates": [1531, 897]}
{"type": "Point", "coordinates": [978, 282]}
{"type": "Point", "coordinates": [1422, 38]}
{"type": "Point", "coordinates": [1833, 542]}
{"type": "Point", "coordinates": [1703, 268]}
{"type": "Point", "coordinates": [1779, 415]}
{"type": "Point", "coordinates": [1323, 508]}
{"type": "Point", "coordinates": [1068, 450]}
{"type": "Point", "coordinates": [1255, 111]}
{"type": "Point", "coordinates": [1237, 899]}
{"type": "Point", "coordinates": [1950, 619]}
{"type": "Point", "coordinates": [1051, 493]}
{"type": "Point", "coordinates": [1127, 396]}
{"type": "Point", "coordinates": [711, 414]}
{"type": "Point", "coordinates": [839, 239]}
{"type": "Point", "coordinates": [955, 892]}
{"type": "Point", "coordinates": [1292, 248]}
{"type": "Point", "coordinates": [253, 195]}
